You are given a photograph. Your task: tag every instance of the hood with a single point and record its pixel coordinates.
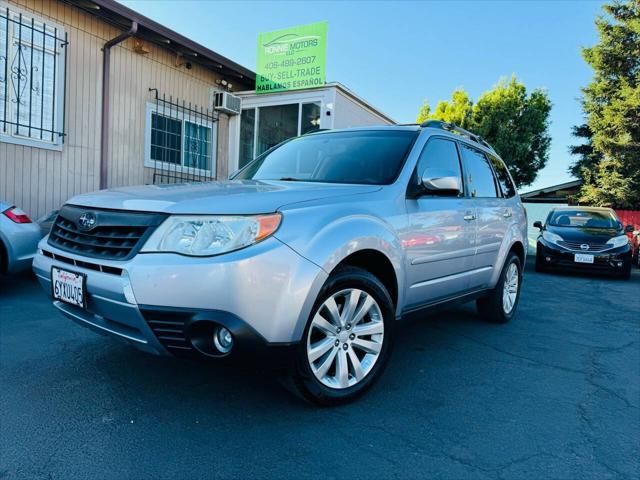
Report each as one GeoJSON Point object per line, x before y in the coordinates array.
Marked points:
{"type": "Point", "coordinates": [586, 235]}
{"type": "Point", "coordinates": [242, 197]}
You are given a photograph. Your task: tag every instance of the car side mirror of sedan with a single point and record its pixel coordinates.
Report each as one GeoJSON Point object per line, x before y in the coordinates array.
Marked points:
{"type": "Point", "coordinates": [628, 229]}
{"type": "Point", "coordinates": [438, 181]}
{"type": "Point", "coordinates": [538, 224]}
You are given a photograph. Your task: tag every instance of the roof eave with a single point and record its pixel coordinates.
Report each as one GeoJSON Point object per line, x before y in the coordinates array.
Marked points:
{"type": "Point", "coordinates": [166, 34]}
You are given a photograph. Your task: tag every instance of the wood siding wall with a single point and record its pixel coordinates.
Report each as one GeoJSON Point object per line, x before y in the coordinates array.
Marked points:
{"type": "Point", "coordinates": [40, 180]}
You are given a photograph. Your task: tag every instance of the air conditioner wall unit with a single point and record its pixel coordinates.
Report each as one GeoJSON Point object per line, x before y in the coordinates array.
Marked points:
{"type": "Point", "coordinates": [227, 103]}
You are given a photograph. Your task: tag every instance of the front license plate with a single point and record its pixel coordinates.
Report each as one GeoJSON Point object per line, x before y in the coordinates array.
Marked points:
{"type": "Point", "coordinates": [583, 258]}
{"type": "Point", "coordinates": [68, 286]}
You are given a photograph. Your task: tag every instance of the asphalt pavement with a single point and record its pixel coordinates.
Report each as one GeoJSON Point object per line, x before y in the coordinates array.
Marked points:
{"type": "Point", "coordinates": [554, 394]}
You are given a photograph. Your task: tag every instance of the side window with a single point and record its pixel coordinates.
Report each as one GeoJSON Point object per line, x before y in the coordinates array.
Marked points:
{"type": "Point", "coordinates": [506, 185]}
{"type": "Point", "coordinates": [480, 179]}
{"type": "Point", "coordinates": [439, 154]}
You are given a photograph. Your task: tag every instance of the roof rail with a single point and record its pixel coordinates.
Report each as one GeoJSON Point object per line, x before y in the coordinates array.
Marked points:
{"type": "Point", "coordinates": [452, 127]}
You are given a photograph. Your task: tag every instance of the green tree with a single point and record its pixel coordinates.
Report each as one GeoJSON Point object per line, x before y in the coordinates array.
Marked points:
{"type": "Point", "coordinates": [424, 113]}
{"type": "Point", "coordinates": [605, 186]}
{"type": "Point", "coordinates": [611, 103]}
{"type": "Point", "coordinates": [588, 156]}
{"type": "Point", "coordinates": [513, 122]}
{"type": "Point", "coordinates": [457, 111]}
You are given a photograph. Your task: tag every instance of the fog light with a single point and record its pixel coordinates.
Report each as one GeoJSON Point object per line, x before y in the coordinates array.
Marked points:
{"type": "Point", "coordinates": [223, 340]}
{"type": "Point", "coordinates": [619, 264]}
{"type": "Point", "coordinates": [548, 259]}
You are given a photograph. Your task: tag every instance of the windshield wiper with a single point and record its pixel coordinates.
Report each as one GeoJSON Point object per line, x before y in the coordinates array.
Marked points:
{"type": "Point", "coordinates": [289, 179]}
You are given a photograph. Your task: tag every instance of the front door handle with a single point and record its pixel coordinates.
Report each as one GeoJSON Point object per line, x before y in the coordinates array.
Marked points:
{"type": "Point", "coordinates": [469, 217]}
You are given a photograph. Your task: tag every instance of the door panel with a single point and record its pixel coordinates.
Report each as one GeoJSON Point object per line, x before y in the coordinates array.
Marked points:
{"type": "Point", "coordinates": [489, 237]}
{"type": "Point", "coordinates": [439, 246]}
{"type": "Point", "coordinates": [439, 241]}
{"type": "Point", "coordinates": [491, 209]}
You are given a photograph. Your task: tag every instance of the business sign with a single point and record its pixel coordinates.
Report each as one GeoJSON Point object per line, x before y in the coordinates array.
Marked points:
{"type": "Point", "coordinates": [292, 59]}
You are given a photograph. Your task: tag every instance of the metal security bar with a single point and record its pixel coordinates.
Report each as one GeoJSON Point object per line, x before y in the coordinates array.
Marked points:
{"type": "Point", "coordinates": [31, 54]}
{"type": "Point", "coordinates": [183, 141]}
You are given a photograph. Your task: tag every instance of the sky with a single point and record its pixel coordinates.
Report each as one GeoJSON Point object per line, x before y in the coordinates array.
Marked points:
{"type": "Point", "coordinates": [397, 54]}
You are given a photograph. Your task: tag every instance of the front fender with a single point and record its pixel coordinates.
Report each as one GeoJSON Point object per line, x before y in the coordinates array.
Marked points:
{"type": "Point", "coordinates": [328, 244]}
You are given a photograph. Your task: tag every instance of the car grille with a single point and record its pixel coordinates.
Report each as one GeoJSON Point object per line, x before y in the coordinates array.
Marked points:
{"type": "Point", "coordinates": [169, 328]}
{"type": "Point", "coordinates": [116, 235]}
{"type": "Point", "coordinates": [577, 246]}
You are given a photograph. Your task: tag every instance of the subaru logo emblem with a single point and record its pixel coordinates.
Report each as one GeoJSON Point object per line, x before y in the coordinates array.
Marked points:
{"type": "Point", "coordinates": [584, 246]}
{"type": "Point", "coordinates": [87, 221]}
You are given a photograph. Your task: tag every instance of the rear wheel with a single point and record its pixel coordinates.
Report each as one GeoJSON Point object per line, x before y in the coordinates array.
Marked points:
{"type": "Point", "coordinates": [501, 304]}
{"type": "Point", "coordinates": [347, 340]}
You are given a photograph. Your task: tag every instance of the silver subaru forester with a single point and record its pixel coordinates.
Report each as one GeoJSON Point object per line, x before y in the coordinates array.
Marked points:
{"type": "Point", "coordinates": [317, 246]}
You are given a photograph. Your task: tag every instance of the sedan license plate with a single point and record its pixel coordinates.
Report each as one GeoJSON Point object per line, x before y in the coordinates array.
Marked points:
{"type": "Point", "coordinates": [68, 287]}
{"type": "Point", "coordinates": [583, 258]}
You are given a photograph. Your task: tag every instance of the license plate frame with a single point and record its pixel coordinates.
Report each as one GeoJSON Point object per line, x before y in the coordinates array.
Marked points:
{"type": "Point", "coordinates": [81, 277]}
{"type": "Point", "coordinates": [583, 258]}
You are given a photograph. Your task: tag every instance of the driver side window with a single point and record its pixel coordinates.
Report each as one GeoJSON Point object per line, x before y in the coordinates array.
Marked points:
{"type": "Point", "coordinates": [439, 154]}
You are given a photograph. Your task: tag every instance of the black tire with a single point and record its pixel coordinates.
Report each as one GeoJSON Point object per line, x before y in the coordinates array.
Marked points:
{"type": "Point", "coordinates": [302, 381]}
{"type": "Point", "coordinates": [540, 267]}
{"type": "Point", "coordinates": [490, 307]}
{"type": "Point", "coordinates": [626, 274]}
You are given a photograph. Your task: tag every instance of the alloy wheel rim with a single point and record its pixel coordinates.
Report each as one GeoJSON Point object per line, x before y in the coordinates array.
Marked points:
{"type": "Point", "coordinates": [345, 338]}
{"type": "Point", "coordinates": [510, 288]}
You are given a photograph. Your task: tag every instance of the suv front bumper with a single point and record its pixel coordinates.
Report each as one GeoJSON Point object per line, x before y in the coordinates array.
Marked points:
{"type": "Point", "coordinates": [263, 294]}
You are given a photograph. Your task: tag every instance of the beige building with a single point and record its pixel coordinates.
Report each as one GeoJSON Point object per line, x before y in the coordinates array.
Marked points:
{"type": "Point", "coordinates": [165, 109]}
{"type": "Point", "coordinates": [160, 124]}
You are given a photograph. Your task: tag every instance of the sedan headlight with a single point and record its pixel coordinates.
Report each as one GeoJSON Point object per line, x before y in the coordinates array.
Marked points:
{"type": "Point", "coordinates": [205, 235]}
{"type": "Point", "coordinates": [551, 237]}
{"type": "Point", "coordinates": [620, 241]}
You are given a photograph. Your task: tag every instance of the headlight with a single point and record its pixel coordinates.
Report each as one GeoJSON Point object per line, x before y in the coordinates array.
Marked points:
{"type": "Point", "coordinates": [206, 235]}
{"type": "Point", "coordinates": [620, 241]}
{"type": "Point", "coordinates": [551, 237]}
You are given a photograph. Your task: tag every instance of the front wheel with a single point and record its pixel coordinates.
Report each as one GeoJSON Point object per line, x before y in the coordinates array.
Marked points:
{"type": "Point", "coordinates": [501, 303]}
{"type": "Point", "coordinates": [347, 340]}
{"type": "Point", "coordinates": [626, 274]}
{"type": "Point", "coordinates": [540, 266]}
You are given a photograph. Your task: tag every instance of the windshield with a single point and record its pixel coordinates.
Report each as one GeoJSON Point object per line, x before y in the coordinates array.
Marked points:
{"type": "Point", "coordinates": [583, 218]}
{"type": "Point", "coordinates": [370, 156]}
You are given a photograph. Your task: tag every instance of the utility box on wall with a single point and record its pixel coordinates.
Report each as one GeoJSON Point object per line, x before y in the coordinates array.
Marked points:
{"type": "Point", "coordinates": [268, 119]}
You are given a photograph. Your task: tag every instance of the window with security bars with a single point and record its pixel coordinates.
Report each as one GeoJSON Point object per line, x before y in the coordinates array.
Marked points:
{"type": "Point", "coordinates": [166, 139]}
{"type": "Point", "coordinates": [32, 66]}
{"type": "Point", "coordinates": [180, 142]}
{"type": "Point", "coordinates": [197, 145]}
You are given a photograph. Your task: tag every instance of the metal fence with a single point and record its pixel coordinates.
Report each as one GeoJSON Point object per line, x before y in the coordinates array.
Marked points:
{"type": "Point", "coordinates": [32, 55]}
{"type": "Point", "coordinates": [182, 147]}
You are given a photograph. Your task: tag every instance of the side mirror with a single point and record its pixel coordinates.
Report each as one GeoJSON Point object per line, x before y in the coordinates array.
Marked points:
{"type": "Point", "coordinates": [628, 229]}
{"type": "Point", "coordinates": [435, 180]}
{"type": "Point", "coordinates": [538, 224]}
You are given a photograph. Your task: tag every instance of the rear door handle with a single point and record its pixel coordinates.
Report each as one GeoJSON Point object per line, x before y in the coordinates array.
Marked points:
{"type": "Point", "coordinates": [469, 217]}
{"type": "Point", "coordinates": [507, 214]}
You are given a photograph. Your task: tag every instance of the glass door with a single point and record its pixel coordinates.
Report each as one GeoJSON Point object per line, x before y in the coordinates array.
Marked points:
{"type": "Point", "coordinates": [276, 124]}
{"type": "Point", "coordinates": [262, 128]}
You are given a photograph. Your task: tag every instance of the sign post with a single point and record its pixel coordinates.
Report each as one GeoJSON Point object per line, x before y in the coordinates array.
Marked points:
{"type": "Point", "coordinates": [292, 59]}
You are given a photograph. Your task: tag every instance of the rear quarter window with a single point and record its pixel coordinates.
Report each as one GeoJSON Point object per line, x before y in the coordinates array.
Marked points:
{"type": "Point", "coordinates": [504, 179]}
